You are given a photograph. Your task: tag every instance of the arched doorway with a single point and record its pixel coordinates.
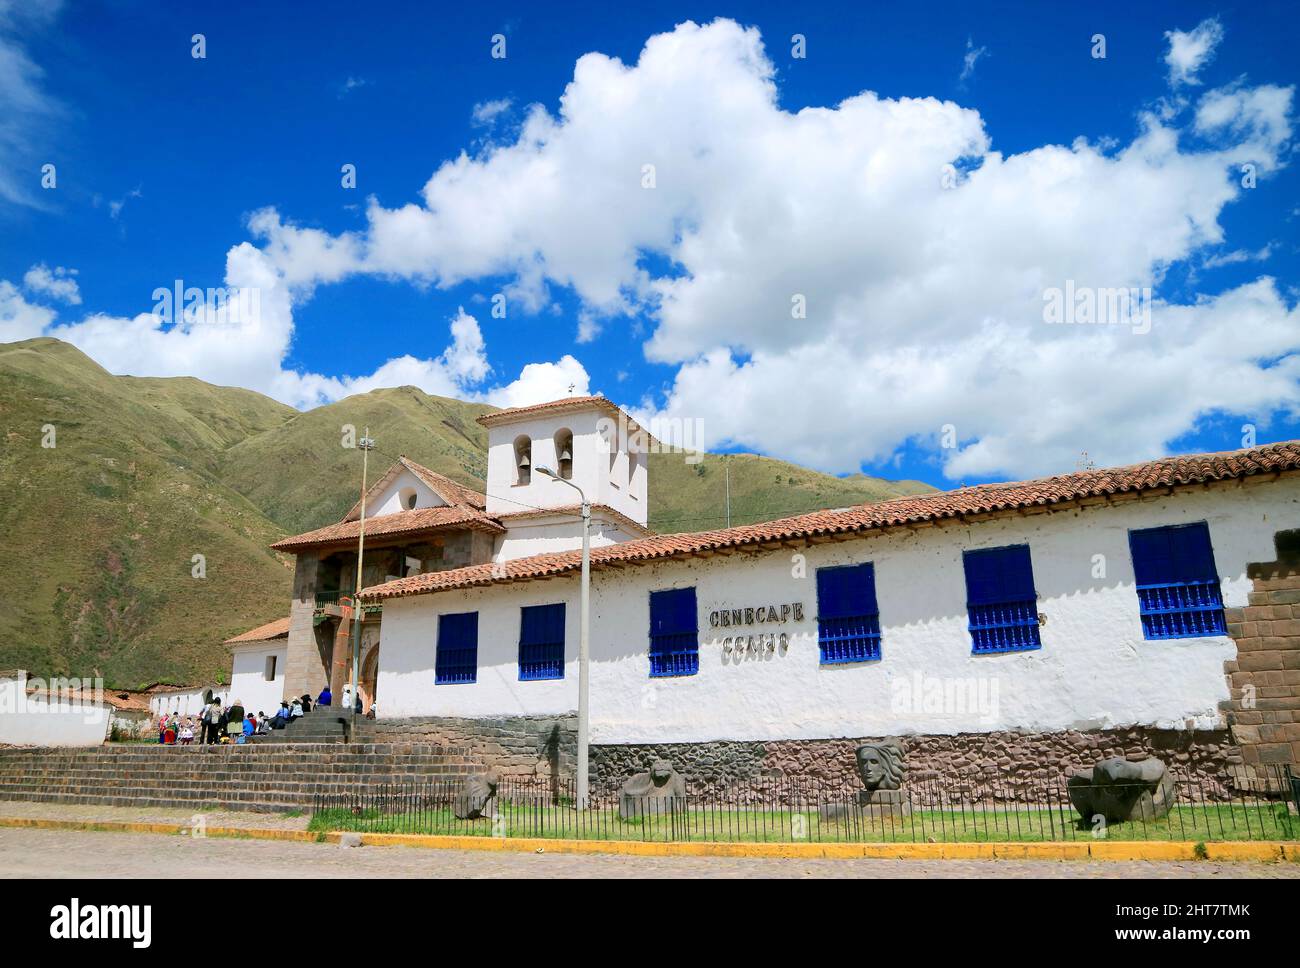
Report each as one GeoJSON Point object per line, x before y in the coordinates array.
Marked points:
{"type": "Point", "coordinates": [369, 675]}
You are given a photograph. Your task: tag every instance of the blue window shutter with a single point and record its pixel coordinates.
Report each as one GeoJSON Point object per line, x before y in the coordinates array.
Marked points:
{"type": "Point", "coordinates": [674, 633]}
{"type": "Point", "coordinates": [1001, 602]}
{"type": "Point", "coordinates": [541, 641]}
{"type": "Point", "coordinates": [456, 659]}
{"type": "Point", "coordinates": [848, 619]}
{"type": "Point", "coordinates": [1179, 593]}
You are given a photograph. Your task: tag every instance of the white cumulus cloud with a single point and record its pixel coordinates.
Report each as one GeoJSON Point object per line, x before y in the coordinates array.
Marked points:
{"type": "Point", "coordinates": [57, 283]}
{"type": "Point", "coordinates": [1191, 50]}
{"type": "Point", "coordinates": [827, 284]}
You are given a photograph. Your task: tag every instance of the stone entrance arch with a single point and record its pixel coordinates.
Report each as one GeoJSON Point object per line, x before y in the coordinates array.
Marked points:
{"type": "Point", "coordinates": [369, 675]}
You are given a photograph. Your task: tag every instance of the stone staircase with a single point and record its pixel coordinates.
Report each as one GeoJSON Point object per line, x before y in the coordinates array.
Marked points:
{"type": "Point", "coordinates": [263, 777]}
{"type": "Point", "coordinates": [324, 724]}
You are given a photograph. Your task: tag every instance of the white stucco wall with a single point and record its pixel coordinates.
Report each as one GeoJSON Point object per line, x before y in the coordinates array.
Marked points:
{"type": "Point", "coordinates": [536, 536]}
{"type": "Point", "coordinates": [248, 682]}
{"type": "Point", "coordinates": [1094, 670]}
{"type": "Point", "coordinates": [389, 500]}
{"type": "Point", "coordinates": [184, 702]}
{"type": "Point", "coordinates": [35, 721]}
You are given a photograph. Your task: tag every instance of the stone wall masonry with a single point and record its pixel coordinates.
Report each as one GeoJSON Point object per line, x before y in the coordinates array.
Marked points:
{"type": "Point", "coordinates": [304, 670]}
{"type": "Point", "coordinates": [1004, 765]}
{"type": "Point", "coordinates": [525, 747]}
{"type": "Point", "coordinates": [1264, 680]}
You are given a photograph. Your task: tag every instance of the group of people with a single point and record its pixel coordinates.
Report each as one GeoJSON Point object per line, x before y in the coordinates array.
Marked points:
{"type": "Point", "coordinates": [289, 711]}
{"type": "Point", "coordinates": [219, 723]}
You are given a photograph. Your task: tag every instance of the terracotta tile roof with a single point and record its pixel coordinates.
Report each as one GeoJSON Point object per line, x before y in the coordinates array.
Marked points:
{"type": "Point", "coordinates": [563, 405]}
{"type": "Point", "coordinates": [402, 522]}
{"type": "Point", "coordinates": [986, 499]}
{"type": "Point", "coordinates": [449, 490]}
{"type": "Point", "coordinates": [575, 511]}
{"type": "Point", "coordinates": [271, 630]}
{"type": "Point", "coordinates": [123, 699]}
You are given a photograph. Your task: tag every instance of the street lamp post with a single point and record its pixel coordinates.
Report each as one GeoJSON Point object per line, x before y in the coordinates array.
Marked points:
{"type": "Point", "coordinates": [367, 444]}
{"type": "Point", "coordinates": [584, 646]}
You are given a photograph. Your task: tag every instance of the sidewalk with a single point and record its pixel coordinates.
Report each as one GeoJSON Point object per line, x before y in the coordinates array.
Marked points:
{"type": "Point", "coordinates": [91, 813]}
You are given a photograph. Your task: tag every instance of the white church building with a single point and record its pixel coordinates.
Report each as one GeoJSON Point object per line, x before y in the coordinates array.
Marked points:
{"type": "Point", "coordinates": [1040, 620]}
{"type": "Point", "coordinates": [1026, 628]}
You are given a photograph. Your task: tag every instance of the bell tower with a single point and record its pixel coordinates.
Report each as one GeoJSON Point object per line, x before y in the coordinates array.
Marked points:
{"type": "Point", "coordinates": [585, 440]}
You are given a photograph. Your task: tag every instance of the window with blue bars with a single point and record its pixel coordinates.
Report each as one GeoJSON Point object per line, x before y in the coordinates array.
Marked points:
{"type": "Point", "coordinates": [457, 655]}
{"type": "Point", "coordinates": [848, 620]}
{"type": "Point", "coordinates": [1177, 582]}
{"type": "Point", "coordinates": [1001, 603]}
{"type": "Point", "coordinates": [541, 641]}
{"type": "Point", "coordinates": [674, 633]}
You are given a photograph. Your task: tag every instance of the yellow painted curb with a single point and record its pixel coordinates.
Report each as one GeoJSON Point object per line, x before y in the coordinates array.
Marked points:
{"type": "Point", "coordinates": [1143, 850]}
{"type": "Point", "coordinates": [1270, 850]}
{"type": "Point", "coordinates": [1246, 850]}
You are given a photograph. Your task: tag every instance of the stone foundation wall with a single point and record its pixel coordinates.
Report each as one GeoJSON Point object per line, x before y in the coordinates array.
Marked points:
{"type": "Point", "coordinates": [1000, 765]}
{"type": "Point", "coordinates": [519, 746]}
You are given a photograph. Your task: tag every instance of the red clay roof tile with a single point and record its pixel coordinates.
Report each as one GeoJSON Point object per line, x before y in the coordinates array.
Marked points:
{"type": "Point", "coordinates": [271, 630]}
{"type": "Point", "coordinates": [402, 522]}
{"type": "Point", "coordinates": [982, 500]}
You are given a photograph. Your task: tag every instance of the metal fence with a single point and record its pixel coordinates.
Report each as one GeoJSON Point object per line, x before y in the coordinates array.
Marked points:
{"type": "Point", "coordinates": [1262, 806]}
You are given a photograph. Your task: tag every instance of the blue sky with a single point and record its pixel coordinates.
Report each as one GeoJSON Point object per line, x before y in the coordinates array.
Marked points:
{"type": "Point", "coordinates": [162, 160]}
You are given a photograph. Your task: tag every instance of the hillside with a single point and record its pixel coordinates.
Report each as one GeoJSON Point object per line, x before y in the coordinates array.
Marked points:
{"type": "Point", "coordinates": [693, 497]}
{"type": "Point", "coordinates": [101, 529]}
{"type": "Point", "coordinates": [301, 476]}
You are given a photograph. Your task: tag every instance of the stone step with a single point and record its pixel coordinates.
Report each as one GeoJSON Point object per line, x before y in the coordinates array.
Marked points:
{"type": "Point", "coordinates": [283, 749]}
{"type": "Point", "coordinates": [213, 763]}
{"type": "Point", "coordinates": [280, 776]}
{"type": "Point", "coordinates": [254, 806]}
{"type": "Point", "coordinates": [299, 792]}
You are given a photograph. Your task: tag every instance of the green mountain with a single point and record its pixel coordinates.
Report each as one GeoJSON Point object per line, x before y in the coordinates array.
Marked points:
{"type": "Point", "coordinates": [97, 569]}
{"type": "Point", "coordinates": [101, 528]}
{"type": "Point", "coordinates": [302, 477]}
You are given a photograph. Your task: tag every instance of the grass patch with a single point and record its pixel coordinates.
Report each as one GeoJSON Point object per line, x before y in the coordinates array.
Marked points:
{"type": "Point", "coordinates": [1201, 823]}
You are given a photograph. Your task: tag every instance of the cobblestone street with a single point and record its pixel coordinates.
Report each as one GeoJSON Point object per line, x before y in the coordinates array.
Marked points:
{"type": "Point", "coordinates": [53, 853]}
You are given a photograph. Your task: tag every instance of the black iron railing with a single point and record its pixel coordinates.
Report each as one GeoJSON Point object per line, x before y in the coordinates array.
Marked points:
{"type": "Point", "coordinates": [1261, 806]}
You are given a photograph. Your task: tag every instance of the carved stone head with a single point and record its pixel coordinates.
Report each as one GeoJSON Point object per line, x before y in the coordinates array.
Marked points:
{"type": "Point", "coordinates": [661, 772]}
{"type": "Point", "coordinates": [880, 765]}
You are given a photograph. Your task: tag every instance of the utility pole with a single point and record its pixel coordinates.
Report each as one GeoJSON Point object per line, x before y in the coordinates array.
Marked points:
{"type": "Point", "coordinates": [367, 445]}
{"type": "Point", "coordinates": [726, 466]}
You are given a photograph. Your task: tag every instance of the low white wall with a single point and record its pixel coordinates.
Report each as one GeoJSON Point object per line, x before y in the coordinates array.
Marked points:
{"type": "Point", "coordinates": [32, 721]}
{"type": "Point", "coordinates": [1094, 669]}
{"type": "Point", "coordinates": [188, 702]}
{"type": "Point", "coordinates": [248, 682]}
